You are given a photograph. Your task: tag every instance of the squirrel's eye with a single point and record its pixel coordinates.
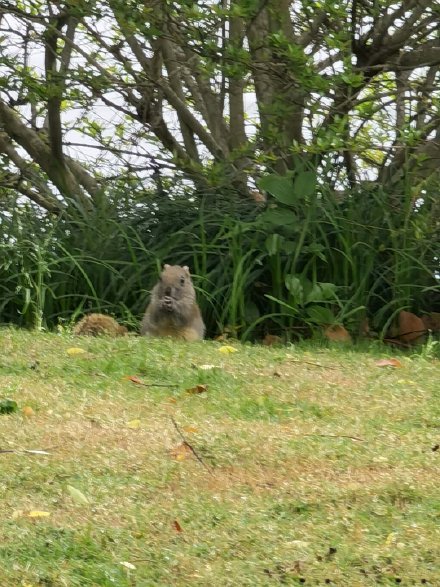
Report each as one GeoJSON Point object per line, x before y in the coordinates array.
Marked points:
{"type": "Point", "coordinates": [182, 281]}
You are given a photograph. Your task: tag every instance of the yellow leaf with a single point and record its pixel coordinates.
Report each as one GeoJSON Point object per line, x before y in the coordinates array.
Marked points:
{"type": "Point", "coordinates": [181, 452]}
{"type": "Point", "coordinates": [77, 496]}
{"type": "Point", "coordinates": [391, 538]}
{"type": "Point", "coordinates": [225, 349]}
{"type": "Point", "coordinates": [190, 429]}
{"type": "Point", "coordinates": [134, 424]}
{"type": "Point", "coordinates": [38, 514]}
{"type": "Point", "coordinates": [74, 350]}
{"type": "Point", "coordinates": [27, 411]}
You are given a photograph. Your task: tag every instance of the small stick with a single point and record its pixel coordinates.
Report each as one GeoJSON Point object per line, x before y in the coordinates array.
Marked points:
{"type": "Point", "coordinates": [191, 448]}
{"type": "Point", "coordinates": [334, 436]}
{"type": "Point", "coordinates": [310, 363]}
{"type": "Point", "coordinates": [158, 384]}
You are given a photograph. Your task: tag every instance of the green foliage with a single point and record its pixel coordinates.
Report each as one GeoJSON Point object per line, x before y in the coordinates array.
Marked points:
{"type": "Point", "coordinates": [306, 260]}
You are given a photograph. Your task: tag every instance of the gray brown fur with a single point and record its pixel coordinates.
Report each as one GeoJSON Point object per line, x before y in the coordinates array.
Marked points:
{"type": "Point", "coordinates": [173, 310]}
{"type": "Point", "coordinates": [99, 324]}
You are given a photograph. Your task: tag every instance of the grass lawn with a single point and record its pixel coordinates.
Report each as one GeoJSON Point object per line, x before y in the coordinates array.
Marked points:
{"type": "Point", "coordinates": [301, 465]}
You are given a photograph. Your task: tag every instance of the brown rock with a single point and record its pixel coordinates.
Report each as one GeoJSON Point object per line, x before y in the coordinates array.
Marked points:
{"type": "Point", "coordinates": [337, 333]}
{"type": "Point", "coordinates": [411, 328]}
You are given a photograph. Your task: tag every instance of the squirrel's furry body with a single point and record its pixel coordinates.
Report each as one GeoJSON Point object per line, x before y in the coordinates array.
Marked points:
{"type": "Point", "coordinates": [173, 310]}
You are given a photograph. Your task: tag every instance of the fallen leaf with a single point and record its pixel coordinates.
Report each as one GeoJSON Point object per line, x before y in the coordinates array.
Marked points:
{"type": "Point", "coordinates": [337, 333]}
{"type": "Point", "coordinates": [77, 495]}
{"type": "Point", "coordinates": [276, 374]}
{"type": "Point", "coordinates": [177, 526]}
{"type": "Point", "coordinates": [127, 565]}
{"type": "Point", "coordinates": [134, 424]}
{"type": "Point", "coordinates": [181, 452]}
{"type": "Point", "coordinates": [37, 514]}
{"type": "Point", "coordinates": [190, 429]}
{"type": "Point", "coordinates": [227, 349]}
{"type": "Point", "coordinates": [28, 411]}
{"type": "Point", "coordinates": [435, 447]}
{"type": "Point", "coordinates": [391, 538]}
{"type": "Point", "coordinates": [134, 379]}
{"type": "Point", "coordinates": [200, 388]}
{"type": "Point", "coordinates": [388, 363]}
{"type": "Point", "coordinates": [74, 350]}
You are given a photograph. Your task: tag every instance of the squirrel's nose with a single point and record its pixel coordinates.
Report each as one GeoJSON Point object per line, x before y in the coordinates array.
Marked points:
{"type": "Point", "coordinates": [168, 291]}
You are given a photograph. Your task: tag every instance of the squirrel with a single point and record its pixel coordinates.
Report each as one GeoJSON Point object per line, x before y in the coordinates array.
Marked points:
{"type": "Point", "coordinates": [97, 324]}
{"type": "Point", "coordinates": [173, 310]}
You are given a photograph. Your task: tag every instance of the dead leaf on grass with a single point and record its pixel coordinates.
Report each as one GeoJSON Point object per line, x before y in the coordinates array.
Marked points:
{"type": "Point", "coordinates": [388, 363]}
{"type": "Point", "coordinates": [134, 424]}
{"type": "Point", "coordinates": [177, 526]}
{"type": "Point", "coordinates": [181, 452]}
{"type": "Point", "coordinates": [134, 379]}
{"type": "Point", "coordinates": [227, 349]}
{"type": "Point", "coordinates": [33, 514]}
{"type": "Point", "coordinates": [74, 350]}
{"type": "Point", "coordinates": [200, 388]}
{"type": "Point", "coordinates": [28, 412]}
{"type": "Point", "coordinates": [190, 429]}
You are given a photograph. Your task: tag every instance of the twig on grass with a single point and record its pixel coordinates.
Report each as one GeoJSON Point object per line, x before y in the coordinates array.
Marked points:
{"type": "Point", "coordinates": [36, 451]}
{"type": "Point", "coordinates": [310, 363]}
{"type": "Point", "coordinates": [191, 448]}
{"type": "Point", "coordinates": [137, 381]}
{"type": "Point", "coordinates": [335, 436]}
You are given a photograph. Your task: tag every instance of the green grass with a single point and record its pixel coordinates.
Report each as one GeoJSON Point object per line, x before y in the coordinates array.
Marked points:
{"type": "Point", "coordinates": [317, 466]}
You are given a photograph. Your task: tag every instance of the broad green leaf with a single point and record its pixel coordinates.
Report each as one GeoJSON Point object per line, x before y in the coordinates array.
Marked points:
{"type": "Point", "coordinates": [280, 187]}
{"type": "Point", "coordinates": [320, 315]}
{"type": "Point", "coordinates": [294, 285]}
{"type": "Point", "coordinates": [321, 292]}
{"type": "Point", "coordinates": [278, 217]}
{"type": "Point", "coordinates": [304, 184]}
{"type": "Point", "coordinates": [274, 244]}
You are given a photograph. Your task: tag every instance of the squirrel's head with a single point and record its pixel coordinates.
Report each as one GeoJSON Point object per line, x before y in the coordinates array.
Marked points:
{"type": "Point", "coordinates": [175, 282]}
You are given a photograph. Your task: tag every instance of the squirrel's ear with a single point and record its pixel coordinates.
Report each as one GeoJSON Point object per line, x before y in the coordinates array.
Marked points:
{"type": "Point", "coordinates": [186, 269]}
{"type": "Point", "coordinates": [166, 266]}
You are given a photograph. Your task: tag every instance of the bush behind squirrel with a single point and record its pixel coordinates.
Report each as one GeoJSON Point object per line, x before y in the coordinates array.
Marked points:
{"type": "Point", "coordinates": [173, 310]}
